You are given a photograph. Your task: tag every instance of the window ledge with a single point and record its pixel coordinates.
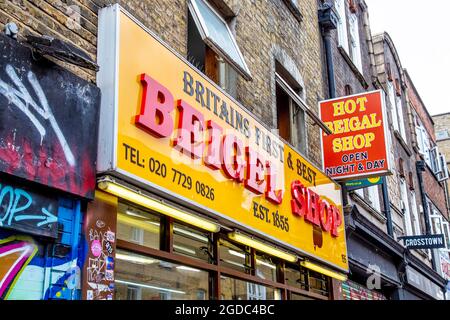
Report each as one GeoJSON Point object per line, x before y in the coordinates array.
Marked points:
{"type": "Point", "coordinates": [367, 206]}
{"type": "Point", "coordinates": [294, 10]}
{"type": "Point", "coordinates": [402, 142]}
{"type": "Point", "coordinates": [353, 67]}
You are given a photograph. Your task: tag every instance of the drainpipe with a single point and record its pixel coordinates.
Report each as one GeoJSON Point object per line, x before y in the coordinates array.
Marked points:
{"type": "Point", "coordinates": [420, 167]}
{"type": "Point", "coordinates": [328, 21]}
{"type": "Point", "coordinates": [330, 66]}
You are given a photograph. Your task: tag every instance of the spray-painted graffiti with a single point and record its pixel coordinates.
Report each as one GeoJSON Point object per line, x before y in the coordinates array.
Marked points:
{"type": "Point", "coordinates": [32, 269]}
{"type": "Point", "coordinates": [15, 255]}
{"type": "Point", "coordinates": [28, 211]}
{"type": "Point", "coordinates": [48, 122]}
{"type": "Point", "coordinates": [22, 99]}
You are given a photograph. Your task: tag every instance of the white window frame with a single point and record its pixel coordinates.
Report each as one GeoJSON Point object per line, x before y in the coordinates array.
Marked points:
{"type": "Point", "coordinates": [392, 101]}
{"type": "Point", "coordinates": [374, 197]}
{"type": "Point", "coordinates": [444, 168]}
{"type": "Point", "coordinates": [340, 6]}
{"type": "Point", "coordinates": [202, 27]}
{"type": "Point", "coordinates": [415, 213]}
{"type": "Point", "coordinates": [405, 207]}
{"type": "Point", "coordinates": [444, 228]}
{"type": "Point", "coordinates": [354, 41]}
{"type": "Point", "coordinates": [401, 119]}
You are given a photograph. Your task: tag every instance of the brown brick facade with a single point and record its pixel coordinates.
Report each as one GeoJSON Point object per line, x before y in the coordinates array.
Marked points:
{"type": "Point", "coordinates": [266, 31]}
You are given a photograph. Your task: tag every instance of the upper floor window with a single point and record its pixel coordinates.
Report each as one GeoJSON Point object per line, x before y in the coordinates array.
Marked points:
{"type": "Point", "coordinates": [355, 44]}
{"type": "Point", "coordinates": [405, 208]}
{"type": "Point", "coordinates": [342, 24]}
{"type": "Point", "coordinates": [212, 47]}
{"type": "Point", "coordinates": [291, 122]}
{"type": "Point", "coordinates": [401, 120]}
{"type": "Point", "coordinates": [433, 158]}
{"type": "Point", "coordinates": [392, 102]}
{"type": "Point", "coordinates": [442, 134]}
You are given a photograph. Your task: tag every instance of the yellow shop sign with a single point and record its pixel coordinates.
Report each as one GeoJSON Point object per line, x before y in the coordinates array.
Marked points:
{"type": "Point", "coordinates": [167, 127]}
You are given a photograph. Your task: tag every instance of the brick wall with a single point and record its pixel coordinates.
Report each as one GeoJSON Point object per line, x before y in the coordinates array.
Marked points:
{"type": "Point", "coordinates": [264, 30]}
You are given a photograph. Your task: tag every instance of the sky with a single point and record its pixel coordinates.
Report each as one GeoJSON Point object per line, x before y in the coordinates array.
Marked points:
{"type": "Point", "coordinates": [420, 31]}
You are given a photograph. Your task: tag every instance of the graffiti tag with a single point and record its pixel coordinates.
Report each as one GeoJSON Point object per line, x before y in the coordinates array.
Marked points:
{"type": "Point", "coordinates": [17, 201]}
{"type": "Point", "coordinates": [22, 99]}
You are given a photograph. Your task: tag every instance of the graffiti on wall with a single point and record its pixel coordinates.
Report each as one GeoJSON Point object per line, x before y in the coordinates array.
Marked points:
{"type": "Point", "coordinates": [100, 262]}
{"type": "Point", "coordinates": [48, 122]}
{"type": "Point", "coordinates": [15, 255]}
{"type": "Point", "coordinates": [32, 268]}
{"type": "Point", "coordinates": [25, 210]}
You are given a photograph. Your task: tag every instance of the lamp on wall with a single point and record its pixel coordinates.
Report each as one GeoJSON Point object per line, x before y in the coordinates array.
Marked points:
{"type": "Point", "coordinates": [325, 271]}
{"type": "Point", "coordinates": [258, 245]}
{"type": "Point", "coordinates": [147, 202]}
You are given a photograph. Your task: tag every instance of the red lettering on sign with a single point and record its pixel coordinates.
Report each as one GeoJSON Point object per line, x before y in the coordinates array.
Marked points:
{"type": "Point", "coordinates": [189, 138]}
{"type": "Point", "coordinates": [157, 103]}
{"type": "Point", "coordinates": [317, 211]}
{"type": "Point", "coordinates": [212, 158]}
{"type": "Point", "coordinates": [255, 172]}
{"type": "Point", "coordinates": [232, 157]}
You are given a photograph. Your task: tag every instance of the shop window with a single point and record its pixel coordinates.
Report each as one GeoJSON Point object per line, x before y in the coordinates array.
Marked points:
{"type": "Point", "coordinates": [140, 277]}
{"type": "Point", "coordinates": [212, 47]}
{"type": "Point", "coordinates": [291, 122]}
{"type": "Point", "coordinates": [234, 256]}
{"type": "Point", "coordinates": [296, 277]}
{"type": "Point", "coordinates": [318, 283]}
{"type": "Point", "coordinates": [342, 24]}
{"type": "Point", "coordinates": [235, 289]}
{"type": "Point", "coordinates": [138, 226]}
{"type": "Point", "coordinates": [266, 268]}
{"type": "Point", "coordinates": [191, 242]}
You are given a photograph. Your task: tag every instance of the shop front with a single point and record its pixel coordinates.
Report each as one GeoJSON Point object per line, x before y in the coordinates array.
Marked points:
{"type": "Point", "coordinates": [47, 174]}
{"type": "Point", "coordinates": [196, 198]}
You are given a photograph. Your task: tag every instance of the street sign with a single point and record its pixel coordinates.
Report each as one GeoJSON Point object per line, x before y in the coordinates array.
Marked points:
{"type": "Point", "coordinates": [434, 241]}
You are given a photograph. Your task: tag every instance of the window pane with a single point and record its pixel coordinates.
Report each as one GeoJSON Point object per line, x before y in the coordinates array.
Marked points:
{"type": "Point", "coordinates": [318, 283]}
{"type": "Point", "coordinates": [295, 296]}
{"type": "Point", "coordinates": [296, 278]}
{"type": "Point", "coordinates": [283, 114]}
{"type": "Point", "coordinates": [190, 242]}
{"type": "Point", "coordinates": [217, 31]}
{"type": "Point", "coordinates": [138, 226]}
{"type": "Point", "coordinates": [139, 277]}
{"type": "Point", "coordinates": [233, 256]}
{"type": "Point", "coordinates": [265, 268]}
{"type": "Point", "coordinates": [234, 289]}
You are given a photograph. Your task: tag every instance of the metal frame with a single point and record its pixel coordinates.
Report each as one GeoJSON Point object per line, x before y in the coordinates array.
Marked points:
{"type": "Point", "coordinates": [386, 132]}
{"type": "Point", "coordinates": [216, 269]}
{"type": "Point", "coordinates": [202, 26]}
